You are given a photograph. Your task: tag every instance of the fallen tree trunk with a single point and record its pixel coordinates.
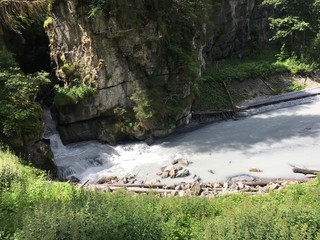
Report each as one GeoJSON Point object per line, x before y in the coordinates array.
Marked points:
{"type": "Point", "coordinates": [143, 185]}
{"type": "Point", "coordinates": [267, 182]}
{"type": "Point", "coordinates": [142, 190]}
{"type": "Point", "coordinates": [84, 184]}
{"type": "Point", "coordinates": [305, 171]}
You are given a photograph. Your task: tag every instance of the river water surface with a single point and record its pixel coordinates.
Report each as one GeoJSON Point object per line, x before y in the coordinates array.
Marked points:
{"type": "Point", "coordinates": [274, 142]}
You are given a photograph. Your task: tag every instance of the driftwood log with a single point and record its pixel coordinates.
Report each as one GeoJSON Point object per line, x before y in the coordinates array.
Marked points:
{"type": "Point", "coordinates": [305, 171]}
{"type": "Point", "coordinates": [84, 184]}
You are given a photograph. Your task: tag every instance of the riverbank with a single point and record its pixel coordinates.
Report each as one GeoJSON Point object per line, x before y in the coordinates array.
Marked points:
{"type": "Point", "coordinates": [33, 208]}
{"type": "Point", "coordinates": [273, 142]}
{"type": "Point", "coordinates": [249, 182]}
{"type": "Point", "coordinates": [196, 188]}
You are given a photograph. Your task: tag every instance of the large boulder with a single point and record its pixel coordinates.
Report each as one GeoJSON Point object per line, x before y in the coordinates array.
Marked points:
{"type": "Point", "coordinates": [40, 156]}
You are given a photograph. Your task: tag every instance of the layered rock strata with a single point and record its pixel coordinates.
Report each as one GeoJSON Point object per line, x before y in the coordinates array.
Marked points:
{"type": "Point", "coordinates": [143, 61]}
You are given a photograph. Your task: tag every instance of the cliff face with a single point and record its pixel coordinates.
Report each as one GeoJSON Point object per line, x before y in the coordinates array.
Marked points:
{"type": "Point", "coordinates": [239, 24]}
{"type": "Point", "coordinates": [144, 61]}
{"type": "Point", "coordinates": [2, 43]}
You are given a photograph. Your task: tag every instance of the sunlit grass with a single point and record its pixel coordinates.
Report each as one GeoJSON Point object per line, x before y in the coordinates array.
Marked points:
{"type": "Point", "coordinates": [33, 208]}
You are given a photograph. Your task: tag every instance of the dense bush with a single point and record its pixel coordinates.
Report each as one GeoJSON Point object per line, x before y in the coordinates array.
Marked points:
{"type": "Point", "coordinates": [20, 116]}
{"type": "Point", "coordinates": [33, 208]}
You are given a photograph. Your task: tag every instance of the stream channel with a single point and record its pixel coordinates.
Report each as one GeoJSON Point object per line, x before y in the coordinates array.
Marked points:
{"type": "Point", "coordinates": [273, 135]}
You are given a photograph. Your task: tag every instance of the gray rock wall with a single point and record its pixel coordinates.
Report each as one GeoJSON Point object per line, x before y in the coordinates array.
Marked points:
{"type": "Point", "coordinates": [2, 43]}
{"type": "Point", "coordinates": [117, 60]}
{"type": "Point", "coordinates": [238, 24]}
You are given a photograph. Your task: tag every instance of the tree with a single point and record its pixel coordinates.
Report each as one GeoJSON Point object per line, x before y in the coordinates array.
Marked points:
{"type": "Point", "coordinates": [295, 23]}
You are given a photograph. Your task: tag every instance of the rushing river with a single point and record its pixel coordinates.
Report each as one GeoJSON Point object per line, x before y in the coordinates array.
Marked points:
{"type": "Point", "coordinates": [286, 136]}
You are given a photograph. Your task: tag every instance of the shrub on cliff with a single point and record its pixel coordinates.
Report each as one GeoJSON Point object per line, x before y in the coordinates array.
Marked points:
{"type": "Point", "coordinates": [72, 95]}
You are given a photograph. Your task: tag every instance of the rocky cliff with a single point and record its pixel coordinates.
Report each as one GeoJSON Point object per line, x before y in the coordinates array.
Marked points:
{"type": "Point", "coordinates": [142, 61]}
{"type": "Point", "coordinates": [239, 24]}
{"type": "Point", "coordinates": [2, 43]}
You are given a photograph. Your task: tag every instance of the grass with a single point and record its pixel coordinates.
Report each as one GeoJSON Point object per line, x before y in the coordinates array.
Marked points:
{"type": "Point", "coordinates": [263, 64]}
{"type": "Point", "coordinates": [33, 208]}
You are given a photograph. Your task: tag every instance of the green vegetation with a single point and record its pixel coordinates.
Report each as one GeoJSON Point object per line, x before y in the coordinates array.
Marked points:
{"type": "Point", "coordinates": [33, 208]}
{"type": "Point", "coordinates": [73, 95]}
{"type": "Point", "coordinates": [297, 25]}
{"type": "Point", "coordinates": [20, 116]}
{"type": "Point", "coordinates": [79, 83]}
{"type": "Point", "coordinates": [297, 32]}
{"type": "Point", "coordinates": [48, 22]}
{"type": "Point", "coordinates": [143, 111]}
{"type": "Point", "coordinates": [263, 64]}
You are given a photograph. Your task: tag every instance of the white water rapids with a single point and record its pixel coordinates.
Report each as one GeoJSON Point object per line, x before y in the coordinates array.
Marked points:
{"type": "Point", "coordinates": [273, 141]}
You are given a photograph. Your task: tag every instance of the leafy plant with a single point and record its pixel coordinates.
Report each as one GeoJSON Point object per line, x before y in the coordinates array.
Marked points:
{"type": "Point", "coordinates": [72, 95]}
{"type": "Point", "coordinates": [20, 116]}
{"type": "Point", "coordinates": [33, 208]}
{"type": "Point", "coordinates": [144, 112]}
{"type": "Point", "coordinates": [297, 24]}
{"type": "Point", "coordinates": [295, 66]}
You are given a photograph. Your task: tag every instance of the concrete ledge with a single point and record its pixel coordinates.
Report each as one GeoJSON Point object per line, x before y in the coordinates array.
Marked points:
{"type": "Point", "coordinates": [279, 98]}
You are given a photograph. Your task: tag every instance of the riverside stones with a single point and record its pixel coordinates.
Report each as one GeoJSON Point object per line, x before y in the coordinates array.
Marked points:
{"type": "Point", "coordinates": [176, 170]}
{"type": "Point", "coordinates": [109, 179]}
{"type": "Point", "coordinates": [181, 161]}
{"type": "Point", "coordinates": [195, 188]}
{"type": "Point", "coordinates": [183, 173]}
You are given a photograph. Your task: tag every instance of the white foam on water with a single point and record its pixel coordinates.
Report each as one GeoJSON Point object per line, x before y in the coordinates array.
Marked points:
{"type": "Point", "coordinates": [272, 141]}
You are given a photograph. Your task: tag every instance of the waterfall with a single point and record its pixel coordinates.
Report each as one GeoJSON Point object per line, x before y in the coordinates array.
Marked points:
{"type": "Point", "coordinates": [73, 159]}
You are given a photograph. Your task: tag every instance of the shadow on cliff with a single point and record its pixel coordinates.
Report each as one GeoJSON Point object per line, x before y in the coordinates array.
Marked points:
{"type": "Point", "coordinates": [241, 135]}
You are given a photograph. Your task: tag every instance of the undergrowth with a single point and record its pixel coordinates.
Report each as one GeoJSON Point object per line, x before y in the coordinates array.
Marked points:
{"type": "Point", "coordinates": [263, 64]}
{"type": "Point", "coordinates": [31, 207]}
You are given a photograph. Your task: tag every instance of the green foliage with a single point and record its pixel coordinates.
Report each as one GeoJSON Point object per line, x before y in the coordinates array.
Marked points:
{"type": "Point", "coordinates": [185, 63]}
{"type": "Point", "coordinates": [212, 96]}
{"type": "Point", "coordinates": [296, 87]}
{"type": "Point", "coordinates": [262, 65]}
{"type": "Point", "coordinates": [71, 74]}
{"type": "Point", "coordinates": [20, 116]}
{"type": "Point", "coordinates": [72, 95]}
{"type": "Point", "coordinates": [295, 66]}
{"type": "Point", "coordinates": [48, 22]}
{"type": "Point", "coordinates": [7, 60]}
{"type": "Point", "coordinates": [125, 120]}
{"type": "Point", "coordinates": [212, 92]}
{"type": "Point", "coordinates": [32, 208]}
{"type": "Point", "coordinates": [79, 83]}
{"type": "Point", "coordinates": [144, 112]}
{"type": "Point", "coordinates": [297, 24]}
